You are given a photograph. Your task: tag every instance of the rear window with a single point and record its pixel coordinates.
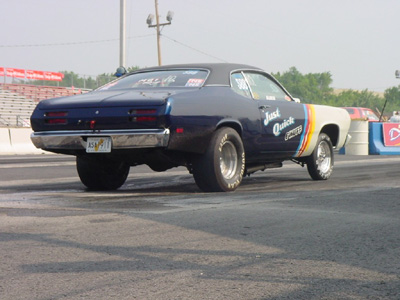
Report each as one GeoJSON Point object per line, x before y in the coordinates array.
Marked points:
{"type": "Point", "coordinates": [156, 79]}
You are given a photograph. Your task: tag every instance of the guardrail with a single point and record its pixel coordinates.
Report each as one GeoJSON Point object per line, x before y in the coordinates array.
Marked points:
{"type": "Point", "coordinates": [14, 121]}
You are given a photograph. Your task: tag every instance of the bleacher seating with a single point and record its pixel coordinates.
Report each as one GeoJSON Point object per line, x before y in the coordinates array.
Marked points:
{"type": "Point", "coordinates": [39, 92]}
{"type": "Point", "coordinates": [17, 101]}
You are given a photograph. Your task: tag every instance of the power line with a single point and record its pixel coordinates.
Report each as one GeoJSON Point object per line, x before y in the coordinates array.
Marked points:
{"type": "Point", "coordinates": [187, 46]}
{"type": "Point", "coordinates": [71, 43]}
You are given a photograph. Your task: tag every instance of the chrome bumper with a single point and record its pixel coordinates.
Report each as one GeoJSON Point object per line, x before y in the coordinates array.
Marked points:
{"type": "Point", "coordinates": [121, 139]}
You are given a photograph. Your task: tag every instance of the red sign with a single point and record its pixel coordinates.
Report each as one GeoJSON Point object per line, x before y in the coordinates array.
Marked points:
{"type": "Point", "coordinates": [57, 76]}
{"type": "Point", "coordinates": [53, 76]}
{"type": "Point", "coordinates": [18, 73]}
{"type": "Point", "coordinates": [391, 134]}
{"type": "Point", "coordinates": [37, 75]}
{"type": "Point", "coordinates": [31, 74]}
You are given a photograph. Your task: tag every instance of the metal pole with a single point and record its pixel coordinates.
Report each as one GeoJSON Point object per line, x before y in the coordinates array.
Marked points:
{"type": "Point", "coordinates": [122, 37]}
{"type": "Point", "coordinates": [158, 34]}
{"type": "Point", "coordinates": [383, 110]}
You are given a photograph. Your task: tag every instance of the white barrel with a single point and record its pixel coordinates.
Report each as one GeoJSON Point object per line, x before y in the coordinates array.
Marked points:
{"type": "Point", "coordinates": [358, 144]}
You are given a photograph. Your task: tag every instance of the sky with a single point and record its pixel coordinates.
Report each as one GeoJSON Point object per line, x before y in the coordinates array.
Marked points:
{"type": "Point", "coordinates": [357, 41]}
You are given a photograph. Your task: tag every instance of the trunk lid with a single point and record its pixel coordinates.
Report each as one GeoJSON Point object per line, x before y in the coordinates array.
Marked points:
{"type": "Point", "coordinates": [119, 109]}
{"type": "Point", "coordinates": [109, 99]}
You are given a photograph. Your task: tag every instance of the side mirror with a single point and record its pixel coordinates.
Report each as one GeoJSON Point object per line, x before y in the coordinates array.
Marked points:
{"type": "Point", "coordinates": [121, 71]}
{"type": "Point", "coordinates": [297, 100]}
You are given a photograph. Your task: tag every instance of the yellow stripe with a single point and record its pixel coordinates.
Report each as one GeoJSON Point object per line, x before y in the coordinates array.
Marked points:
{"type": "Point", "coordinates": [312, 126]}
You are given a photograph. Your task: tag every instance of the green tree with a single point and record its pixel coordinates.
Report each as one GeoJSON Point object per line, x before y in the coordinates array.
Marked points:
{"type": "Point", "coordinates": [316, 88]}
{"type": "Point", "coordinates": [392, 97]}
{"type": "Point", "coordinates": [310, 88]}
{"type": "Point", "coordinates": [364, 98]}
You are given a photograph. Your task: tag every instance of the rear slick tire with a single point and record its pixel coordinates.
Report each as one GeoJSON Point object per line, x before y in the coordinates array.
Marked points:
{"type": "Point", "coordinates": [320, 162]}
{"type": "Point", "coordinates": [221, 167]}
{"type": "Point", "coordinates": [101, 174]}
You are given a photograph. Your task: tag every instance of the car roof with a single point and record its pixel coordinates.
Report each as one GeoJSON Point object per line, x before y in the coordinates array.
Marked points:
{"type": "Point", "coordinates": [219, 72]}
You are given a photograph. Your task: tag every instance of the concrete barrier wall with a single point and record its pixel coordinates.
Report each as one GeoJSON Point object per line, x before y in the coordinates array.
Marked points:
{"type": "Point", "coordinates": [376, 145]}
{"type": "Point", "coordinates": [17, 141]}
{"type": "Point", "coordinates": [5, 141]}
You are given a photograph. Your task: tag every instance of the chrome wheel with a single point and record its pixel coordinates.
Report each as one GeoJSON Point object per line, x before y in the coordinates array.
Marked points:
{"type": "Point", "coordinates": [221, 167]}
{"type": "Point", "coordinates": [320, 162]}
{"type": "Point", "coordinates": [229, 160]}
{"type": "Point", "coordinates": [324, 157]}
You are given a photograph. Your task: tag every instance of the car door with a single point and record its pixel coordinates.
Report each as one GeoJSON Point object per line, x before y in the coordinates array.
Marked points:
{"type": "Point", "coordinates": [281, 118]}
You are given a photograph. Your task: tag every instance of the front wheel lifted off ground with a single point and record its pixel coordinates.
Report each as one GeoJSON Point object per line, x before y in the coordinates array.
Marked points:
{"type": "Point", "coordinates": [98, 173]}
{"type": "Point", "coordinates": [320, 162]}
{"type": "Point", "coordinates": [221, 167]}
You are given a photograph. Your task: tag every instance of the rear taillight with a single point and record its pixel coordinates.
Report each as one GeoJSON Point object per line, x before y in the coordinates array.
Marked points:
{"type": "Point", "coordinates": [55, 117]}
{"type": "Point", "coordinates": [56, 114]}
{"type": "Point", "coordinates": [56, 121]}
{"type": "Point", "coordinates": [143, 115]}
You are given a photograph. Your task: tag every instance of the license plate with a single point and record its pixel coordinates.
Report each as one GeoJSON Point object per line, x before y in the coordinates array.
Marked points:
{"type": "Point", "coordinates": [98, 145]}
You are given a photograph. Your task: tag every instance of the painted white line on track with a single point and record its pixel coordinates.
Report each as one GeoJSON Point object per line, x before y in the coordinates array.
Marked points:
{"type": "Point", "coordinates": [36, 165]}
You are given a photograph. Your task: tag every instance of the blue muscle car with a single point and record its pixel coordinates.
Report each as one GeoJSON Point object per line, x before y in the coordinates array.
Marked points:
{"type": "Point", "coordinates": [221, 121]}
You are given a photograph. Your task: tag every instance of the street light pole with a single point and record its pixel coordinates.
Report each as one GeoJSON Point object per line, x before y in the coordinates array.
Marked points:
{"type": "Point", "coordinates": [158, 27]}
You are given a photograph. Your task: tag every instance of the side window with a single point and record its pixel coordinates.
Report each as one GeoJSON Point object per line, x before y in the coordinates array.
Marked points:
{"type": "Point", "coordinates": [262, 87]}
{"type": "Point", "coordinates": [239, 85]}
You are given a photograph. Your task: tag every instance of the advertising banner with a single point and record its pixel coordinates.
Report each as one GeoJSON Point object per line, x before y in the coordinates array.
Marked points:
{"type": "Point", "coordinates": [391, 134]}
{"type": "Point", "coordinates": [31, 74]}
{"type": "Point", "coordinates": [57, 76]}
{"type": "Point", "coordinates": [36, 75]}
{"type": "Point", "coordinates": [17, 73]}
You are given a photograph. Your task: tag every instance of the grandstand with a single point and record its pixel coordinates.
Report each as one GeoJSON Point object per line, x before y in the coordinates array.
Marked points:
{"type": "Point", "coordinates": [17, 101]}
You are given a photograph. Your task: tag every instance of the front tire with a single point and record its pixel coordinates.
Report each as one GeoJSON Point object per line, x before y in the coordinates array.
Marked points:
{"type": "Point", "coordinates": [320, 162]}
{"type": "Point", "coordinates": [221, 167]}
{"type": "Point", "coordinates": [101, 174]}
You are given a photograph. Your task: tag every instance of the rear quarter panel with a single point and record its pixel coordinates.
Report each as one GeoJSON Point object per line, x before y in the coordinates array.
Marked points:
{"type": "Point", "coordinates": [201, 112]}
{"type": "Point", "coordinates": [319, 117]}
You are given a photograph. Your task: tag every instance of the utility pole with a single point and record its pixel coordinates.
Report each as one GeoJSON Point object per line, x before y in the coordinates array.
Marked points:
{"type": "Point", "coordinates": [122, 36]}
{"type": "Point", "coordinates": [158, 33]}
{"type": "Point", "coordinates": [159, 25]}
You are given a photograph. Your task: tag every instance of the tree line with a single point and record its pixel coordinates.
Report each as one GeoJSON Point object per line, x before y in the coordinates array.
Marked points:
{"type": "Point", "coordinates": [312, 88]}
{"type": "Point", "coordinates": [315, 88]}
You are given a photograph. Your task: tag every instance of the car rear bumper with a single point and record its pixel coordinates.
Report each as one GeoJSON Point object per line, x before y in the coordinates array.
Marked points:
{"type": "Point", "coordinates": [121, 139]}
